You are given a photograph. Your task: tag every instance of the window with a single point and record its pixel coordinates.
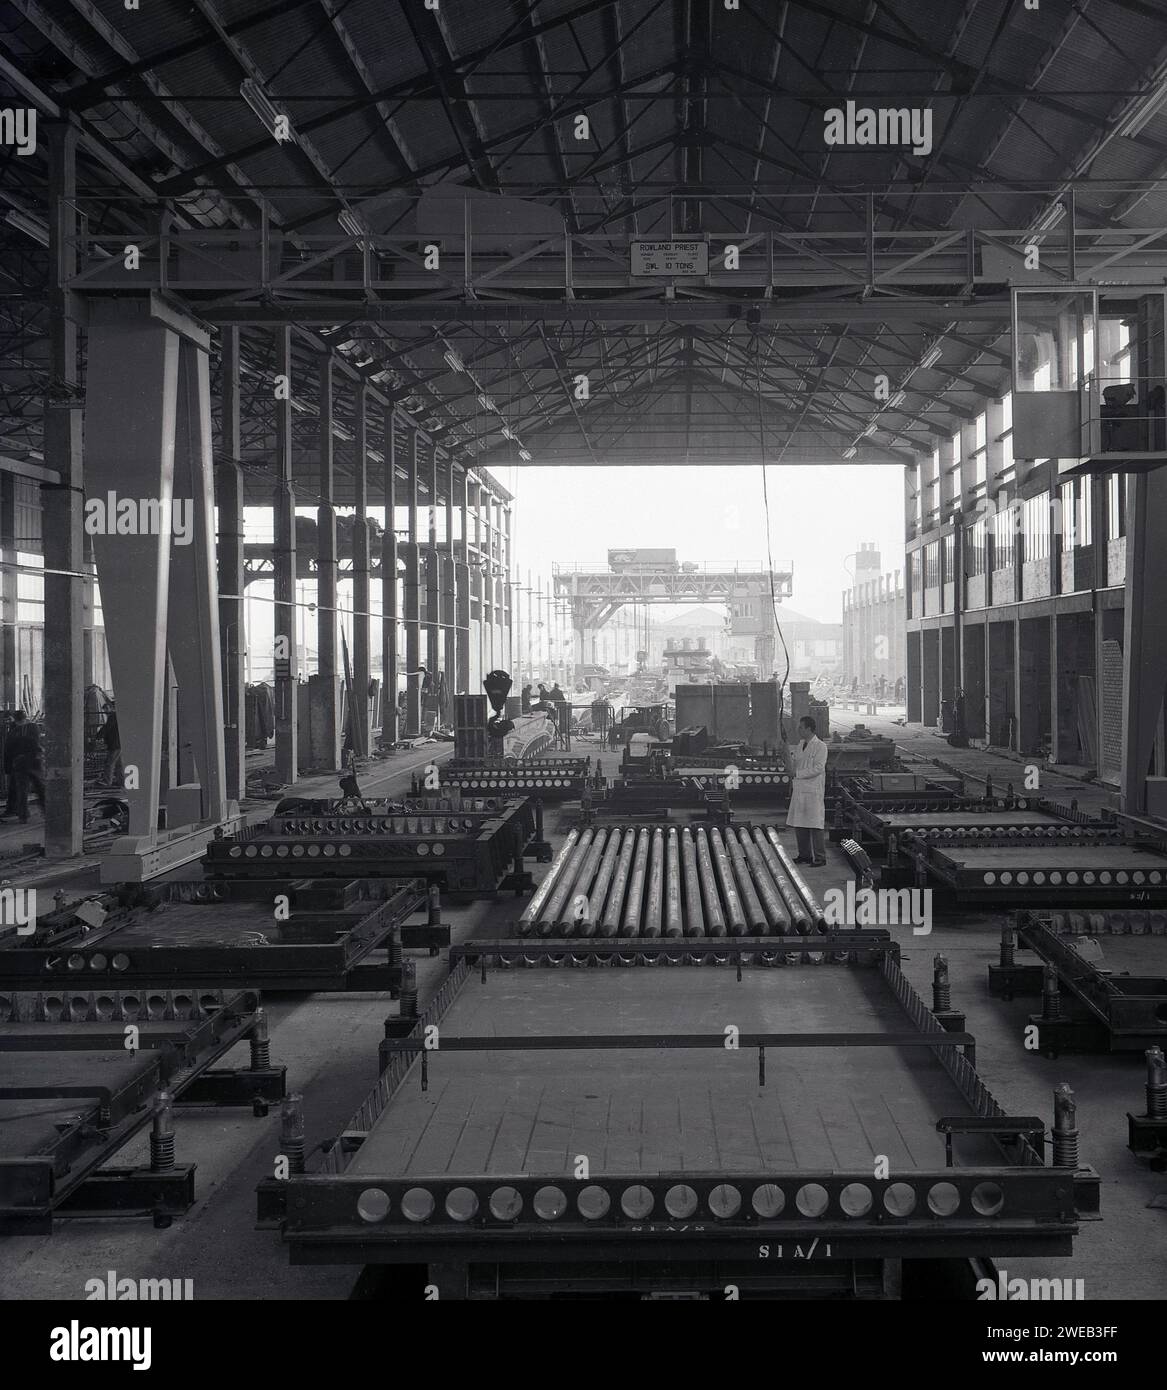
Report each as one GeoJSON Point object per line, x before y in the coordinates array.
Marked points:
{"type": "Point", "coordinates": [1004, 530]}
{"type": "Point", "coordinates": [1077, 527]}
{"type": "Point", "coordinates": [931, 565]}
{"type": "Point", "coordinates": [977, 546]}
{"type": "Point", "coordinates": [1115, 506]}
{"type": "Point", "coordinates": [949, 543]}
{"type": "Point", "coordinates": [915, 566]}
{"type": "Point", "coordinates": [1036, 524]}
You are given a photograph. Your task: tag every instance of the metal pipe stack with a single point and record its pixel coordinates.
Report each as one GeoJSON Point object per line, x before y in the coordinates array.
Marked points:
{"type": "Point", "coordinates": [665, 880]}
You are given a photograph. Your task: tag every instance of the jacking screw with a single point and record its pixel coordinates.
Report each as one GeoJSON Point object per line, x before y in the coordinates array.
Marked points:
{"type": "Point", "coordinates": [1065, 1131]}
{"type": "Point", "coordinates": [292, 1131]}
{"type": "Point", "coordinates": [1156, 1084]}
{"type": "Point", "coordinates": [941, 986]}
{"type": "Point", "coordinates": [162, 1134]}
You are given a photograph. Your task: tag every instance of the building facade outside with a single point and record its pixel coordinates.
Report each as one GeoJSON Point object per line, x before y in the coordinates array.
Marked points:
{"type": "Point", "coordinates": [874, 624]}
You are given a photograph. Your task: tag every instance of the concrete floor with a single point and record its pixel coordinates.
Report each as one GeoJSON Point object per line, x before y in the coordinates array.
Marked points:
{"type": "Point", "coordinates": [329, 1044]}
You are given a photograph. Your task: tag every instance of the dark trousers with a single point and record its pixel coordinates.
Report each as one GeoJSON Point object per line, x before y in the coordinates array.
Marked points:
{"type": "Point", "coordinates": [812, 843]}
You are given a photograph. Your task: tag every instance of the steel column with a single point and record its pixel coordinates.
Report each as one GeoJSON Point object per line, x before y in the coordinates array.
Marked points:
{"type": "Point", "coordinates": [64, 549]}
{"type": "Point", "coordinates": [412, 597]}
{"type": "Point", "coordinates": [359, 714]}
{"type": "Point", "coordinates": [389, 590]}
{"type": "Point", "coordinates": [232, 642]}
{"type": "Point", "coordinates": [462, 673]}
{"type": "Point", "coordinates": [326, 567]}
{"type": "Point", "coordinates": [286, 657]}
{"type": "Point", "coordinates": [450, 588]}
{"type": "Point", "coordinates": [9, 693]}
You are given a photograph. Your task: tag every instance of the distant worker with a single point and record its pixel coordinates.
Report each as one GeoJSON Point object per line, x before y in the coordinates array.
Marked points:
{"type": "Point", "coordinates": [807, 814]}
{"type": "Point", "coordinates": [14, 740]}
{"type": "Point", "coordinates": [112, 740]}
{"type": "Point", "coordinates": [562, 714]}
{"type": "Point", "coordinates": [525, 697]}
{"type": "Point", "coordinates": [613, 732]}
{"type": "Point", "coordinates": [601, 715]}
{"type": "Point", "coordinates": [28, 767]}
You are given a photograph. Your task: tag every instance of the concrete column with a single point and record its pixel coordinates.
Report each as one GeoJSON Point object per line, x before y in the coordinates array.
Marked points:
{"type": "Point", "coordinates": [509, 594]}
{"type": "Point", "coordinates": [911, 494]}
{"type": "Point", "coordinates": [462, 683]}
{"type": "Point", "coordinates": [130, 451]}
{"type": "Point", "coordinates": [360, 691]}
{"type": "Point", "coordinates": [284, 565]}
{"type": "Point", "coordinates": [389, 589]}
{"type": "Point", "coordinates": [232, 637]}
{"type": "Point", "coordinates": [327, 666]}
{"type": "Point", "coordinates": [412, 596]}
{"type": "Point", "coordinates": [449, 588]}
{"type": "Point", "coordinates": [64, 549]}
{"type": "Point", "coordinates": [192, 629]}
{"type": "Point", "coordinates": [9, 692]}
{"type": "Point", "coordinates": [433, 588]}
{"type": "Point", "coordinates": [1144, 653]}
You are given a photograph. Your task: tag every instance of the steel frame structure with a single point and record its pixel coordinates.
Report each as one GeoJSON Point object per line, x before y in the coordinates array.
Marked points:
{"type": "Point", "coordinates": [334, 1216]}
{"type": "Point", "coordinates": [470, 854]}
{"type": "Point", "coordinates": [178, 1043]}
{"type": "Point", "coordinates": [328, 943]}
{"type": "Point", "coordinates": [1104, 1012]}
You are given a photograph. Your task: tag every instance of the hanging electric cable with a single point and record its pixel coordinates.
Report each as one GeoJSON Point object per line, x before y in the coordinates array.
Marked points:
{"type": "Point", "coordinates": [769, 542]}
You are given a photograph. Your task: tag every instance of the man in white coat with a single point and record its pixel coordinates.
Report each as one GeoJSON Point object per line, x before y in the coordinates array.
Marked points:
{"type": "Point", "coordinates": [807, 814]}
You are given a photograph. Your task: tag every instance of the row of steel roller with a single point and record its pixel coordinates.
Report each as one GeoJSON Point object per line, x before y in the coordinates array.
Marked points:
{"type": "Point", "coordinates": [653, 881]}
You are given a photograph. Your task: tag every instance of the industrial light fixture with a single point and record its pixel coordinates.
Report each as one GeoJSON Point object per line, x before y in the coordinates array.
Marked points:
{"type": "Point", "coordinates": [453, 361]}
{"type": "Point", "coordinates": [896, 401]}
{"type": "Point", "coordinates": [931, 357]}
{"type": "Point", "coordinates": [1148, 108]}
{"type": "Point", "coordinates": [507, 432]}
{"type": "Point", "coordinates": [850, 453]}
{"type": "Point", "coordinates": [266, 111]}
{"type": "Point", "coordinates": [1050, 219]}
{"type": "Point", "coordinates": [28, 224]}
{"type": "Point", "coordinates": [485, 402]}
{"type": "Point", "coordinates": [870, 430]}
{"type": "Point", "coordinates": [352, 223]}
{"type": "Point", "coordinates": [525, 455]}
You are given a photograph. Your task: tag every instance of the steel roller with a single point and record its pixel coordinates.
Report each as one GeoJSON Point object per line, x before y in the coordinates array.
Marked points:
{"type": "Point", "coordinates": [552, 915]}
{"type": "Point", "coordinates": [799, 916]}
{"type": "Point", "coordinates": [777, 917]}
{"type": "Point", "coordinates": [673, 925]}
{"type": "Point", "coordinates": [813, 906]}
{"type": "Point", "coordinates": [543, 892]}
{"type": "Point", "coordinates": [613, 908]}
{"type": "Point", "coordinates": [656, 882]}
{"type": "Point", "coordinates": [579, 910]}
{"type": "Point", "coordinates": [599, 894]}
{"type": "Point", "coordinates": [694, 917]}
{"type": "Point", "coordinates": [734, 913]}
{"type": "Point", "coordinates": [756, 919]}
{"type": "Point", "coordinates": [632, 908]}
{"type": "Point", "coordinates": [713, 910]}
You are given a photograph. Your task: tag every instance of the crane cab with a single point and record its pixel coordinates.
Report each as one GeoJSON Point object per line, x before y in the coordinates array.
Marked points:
{"type": "Point", "coordinates": [1090, 377]}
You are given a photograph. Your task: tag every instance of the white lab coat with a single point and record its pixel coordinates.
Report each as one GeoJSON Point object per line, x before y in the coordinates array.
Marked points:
{"type": "Point", "coordinates": [808, 794]}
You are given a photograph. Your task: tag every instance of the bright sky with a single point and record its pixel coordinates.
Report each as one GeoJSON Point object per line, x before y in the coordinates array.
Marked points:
{"type": "Point", "coordinates": [818, 518]}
